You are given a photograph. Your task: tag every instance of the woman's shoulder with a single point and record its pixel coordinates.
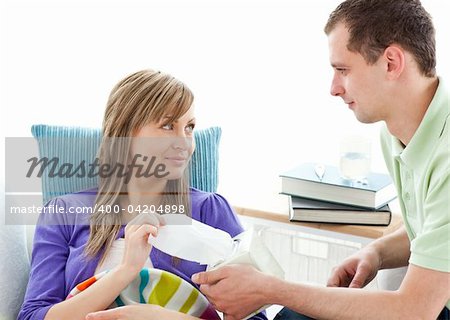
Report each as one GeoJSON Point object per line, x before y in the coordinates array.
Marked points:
{"type": "Point", "coordinates": [199, 197]}
{"type": "Point", "coordinates": [83, 197]}
{"type": "Point", "coordinates": [213, 209]}
{"type": "Point", "coordinates": [69, 209]}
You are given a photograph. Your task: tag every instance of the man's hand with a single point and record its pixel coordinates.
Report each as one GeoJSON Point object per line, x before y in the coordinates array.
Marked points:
{"type": "Point", "coordinates": [236, 290]}
{"type": "Point", "coordinates": [357, 270]}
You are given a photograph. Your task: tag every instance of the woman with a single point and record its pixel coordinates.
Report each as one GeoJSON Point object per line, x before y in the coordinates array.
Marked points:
{"type": "Point", "coordinates": [148, 123]}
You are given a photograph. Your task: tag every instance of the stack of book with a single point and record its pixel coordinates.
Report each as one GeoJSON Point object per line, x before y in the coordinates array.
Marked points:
{"type": "Point", "coordinates": [324, 196]}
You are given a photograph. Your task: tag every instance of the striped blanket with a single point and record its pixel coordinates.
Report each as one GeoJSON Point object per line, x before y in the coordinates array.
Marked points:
{"type": "Point", "coordinates": [154, 286]}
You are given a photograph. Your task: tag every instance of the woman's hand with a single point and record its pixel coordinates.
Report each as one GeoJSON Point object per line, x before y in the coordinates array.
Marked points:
{"type": "Point", "coordinates": [137, 248]}
{"type": "Point", "coordinates": [138, 312]}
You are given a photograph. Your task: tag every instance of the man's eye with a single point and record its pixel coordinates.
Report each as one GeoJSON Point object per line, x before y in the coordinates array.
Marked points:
{"type": "Point", "coordinates": [341, 70]}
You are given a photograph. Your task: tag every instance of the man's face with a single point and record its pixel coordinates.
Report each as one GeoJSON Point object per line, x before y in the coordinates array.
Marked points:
{"type": "Point", "coordinates": [360, 85]}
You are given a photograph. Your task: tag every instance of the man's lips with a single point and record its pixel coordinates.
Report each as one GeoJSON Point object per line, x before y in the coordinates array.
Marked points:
{"type": "Point", "coordinates": [350, 103]}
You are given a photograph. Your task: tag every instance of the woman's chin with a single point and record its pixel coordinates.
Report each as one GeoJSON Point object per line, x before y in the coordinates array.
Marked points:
{"type": "Point", "coordinates": [175, 173]}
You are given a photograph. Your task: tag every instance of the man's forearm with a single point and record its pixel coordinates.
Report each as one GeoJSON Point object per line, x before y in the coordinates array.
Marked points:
{"type": "Point", "coordinates": [347, 303]}
{"type": "Point", "coordinates": [394, 249]}
{"type": "Point", "coordinates": [339, 303]}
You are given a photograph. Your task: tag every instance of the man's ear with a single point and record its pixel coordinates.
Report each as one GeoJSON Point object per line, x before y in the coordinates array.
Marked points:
{"type": "Point", "coordinates": [395, 58]}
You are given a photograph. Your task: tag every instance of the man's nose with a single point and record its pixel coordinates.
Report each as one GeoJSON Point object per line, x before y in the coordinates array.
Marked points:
{"type": "Point", "coordinates": [337, 89]}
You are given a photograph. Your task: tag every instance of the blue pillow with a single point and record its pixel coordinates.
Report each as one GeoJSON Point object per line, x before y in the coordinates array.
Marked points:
{"type": "Point", "coordinates": [75, 144]}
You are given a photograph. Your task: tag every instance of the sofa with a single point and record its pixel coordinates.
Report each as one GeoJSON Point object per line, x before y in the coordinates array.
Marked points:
{"type": "Point", "coordinates": [73, 144]}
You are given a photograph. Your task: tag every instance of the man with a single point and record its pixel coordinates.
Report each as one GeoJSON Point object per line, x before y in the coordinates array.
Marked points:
{"type": "Point", "coordinates": [383, 56]}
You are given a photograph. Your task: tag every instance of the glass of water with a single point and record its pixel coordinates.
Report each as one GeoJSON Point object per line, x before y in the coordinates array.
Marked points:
{"type": "Point", "coordinates": [354, 158]}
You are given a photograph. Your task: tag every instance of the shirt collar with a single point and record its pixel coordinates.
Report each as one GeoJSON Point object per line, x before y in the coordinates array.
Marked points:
{"type": "Point", "coordinates": [414, 155]}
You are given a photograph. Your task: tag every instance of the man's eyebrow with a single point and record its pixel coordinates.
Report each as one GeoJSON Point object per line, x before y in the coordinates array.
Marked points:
{"type": "Point", "coordinates": [338, 65]}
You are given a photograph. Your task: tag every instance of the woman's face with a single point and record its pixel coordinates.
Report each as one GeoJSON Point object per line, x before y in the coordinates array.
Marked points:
{"type": "Point", "coordinates": [165, 148]}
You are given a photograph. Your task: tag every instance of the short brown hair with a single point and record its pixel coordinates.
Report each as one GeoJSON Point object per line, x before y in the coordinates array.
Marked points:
{"type": "Point", "coordinates": [375, 24]}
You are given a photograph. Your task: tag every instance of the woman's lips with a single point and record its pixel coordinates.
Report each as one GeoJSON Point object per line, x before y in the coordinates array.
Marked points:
{"type": "Point", "coordinates": [178, 161]}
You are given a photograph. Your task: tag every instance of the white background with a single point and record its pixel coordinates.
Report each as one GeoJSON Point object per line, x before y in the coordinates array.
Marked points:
{"type": "Point", "coordinates": [258, 69]}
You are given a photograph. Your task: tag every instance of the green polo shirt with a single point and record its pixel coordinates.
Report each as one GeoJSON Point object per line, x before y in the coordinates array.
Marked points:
{"type": "Point", "coordinates": [421, 173]}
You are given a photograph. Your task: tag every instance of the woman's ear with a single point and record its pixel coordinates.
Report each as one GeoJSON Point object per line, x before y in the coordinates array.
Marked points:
{"type": "Point", "coordinates": [395, 58]}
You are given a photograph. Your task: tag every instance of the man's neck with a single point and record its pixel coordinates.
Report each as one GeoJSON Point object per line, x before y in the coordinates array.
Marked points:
{"type": "Point", "coordinates": [410, 106]}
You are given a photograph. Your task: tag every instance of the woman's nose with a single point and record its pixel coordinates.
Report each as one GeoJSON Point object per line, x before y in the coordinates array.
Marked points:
{"type": "Point", "coordinates": [182, 143]}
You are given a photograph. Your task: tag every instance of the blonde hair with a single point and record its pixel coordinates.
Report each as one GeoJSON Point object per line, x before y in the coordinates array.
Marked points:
{"type": "Point", "coordinates": [140, 98]}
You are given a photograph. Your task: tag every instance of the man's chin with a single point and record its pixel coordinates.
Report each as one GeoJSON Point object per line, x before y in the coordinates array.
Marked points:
{"type": "Point", "coordinates": [365, 118]}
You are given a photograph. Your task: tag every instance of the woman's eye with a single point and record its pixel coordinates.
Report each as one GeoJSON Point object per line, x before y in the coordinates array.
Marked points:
{"type": "Point", "coordinates": [168, 126]}
{"type": "Point", "coordinates": [190, 128]}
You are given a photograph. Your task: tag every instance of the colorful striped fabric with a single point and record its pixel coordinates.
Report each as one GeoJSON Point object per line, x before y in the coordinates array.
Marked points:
{"type": "Point", "coordinates": [154, 286]}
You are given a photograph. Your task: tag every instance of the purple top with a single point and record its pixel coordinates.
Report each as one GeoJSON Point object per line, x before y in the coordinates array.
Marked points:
{"type": "Point", "coordinates": [58, 263]}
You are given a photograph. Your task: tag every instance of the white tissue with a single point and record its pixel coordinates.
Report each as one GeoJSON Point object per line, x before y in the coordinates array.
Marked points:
{"type": "Point", "coordinates": [191, 240]}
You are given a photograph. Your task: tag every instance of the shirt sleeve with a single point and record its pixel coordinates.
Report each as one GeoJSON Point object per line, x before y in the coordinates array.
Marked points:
{"type": "Point", "coordinates": [47, 276]}
{"type": "Point", "coordinates": [431, 247]}
{"type": "Point", "coordinates": [217, 212]}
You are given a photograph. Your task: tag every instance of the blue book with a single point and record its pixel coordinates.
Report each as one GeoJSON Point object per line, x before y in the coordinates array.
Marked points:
{"type": "Point", "coordinates": [303, 181]}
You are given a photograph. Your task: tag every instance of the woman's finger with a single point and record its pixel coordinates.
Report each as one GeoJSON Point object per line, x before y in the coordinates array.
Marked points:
{"type": "Point", "coordinates": [146, 218]}
{"type": "Point", "coordinates": [141, 231]}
